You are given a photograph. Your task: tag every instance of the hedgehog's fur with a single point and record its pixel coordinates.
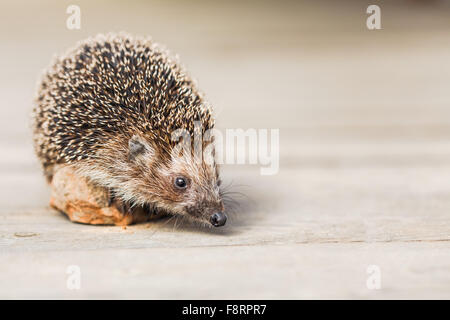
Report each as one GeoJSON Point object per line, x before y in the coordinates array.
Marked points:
{"type": "Point", "coordinates": [108, 90]}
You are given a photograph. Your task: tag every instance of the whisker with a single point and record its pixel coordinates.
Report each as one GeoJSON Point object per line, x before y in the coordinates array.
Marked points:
{"type": "Point", "coordinates": [166, 222]}
{"type": "Point", "coordinates": [175, 224]}
{"type": "Point", "coordinates": [232, 198]}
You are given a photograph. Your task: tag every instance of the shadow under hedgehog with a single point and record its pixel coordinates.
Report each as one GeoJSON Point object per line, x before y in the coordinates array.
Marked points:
{"type": "Point", "coordinates": [102, 125]}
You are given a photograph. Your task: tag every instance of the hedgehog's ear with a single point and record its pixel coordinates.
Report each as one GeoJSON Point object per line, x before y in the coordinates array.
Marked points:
{"type": "Point", "coordinates": [138, 146]}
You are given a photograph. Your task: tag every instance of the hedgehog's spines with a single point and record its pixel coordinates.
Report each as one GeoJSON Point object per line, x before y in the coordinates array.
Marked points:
{"type": "Point", "coordinates": [109, 87]}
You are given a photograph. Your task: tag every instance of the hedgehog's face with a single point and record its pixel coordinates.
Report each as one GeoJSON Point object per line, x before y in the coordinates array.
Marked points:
{"type": "Point", "coordinates": [181, 185]}
{"type": "Point", "coordinates": [196, 189]}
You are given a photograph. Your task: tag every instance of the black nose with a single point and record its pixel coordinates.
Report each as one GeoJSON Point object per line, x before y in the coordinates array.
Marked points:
{"type": "Point", "coordinates": [218, 219]}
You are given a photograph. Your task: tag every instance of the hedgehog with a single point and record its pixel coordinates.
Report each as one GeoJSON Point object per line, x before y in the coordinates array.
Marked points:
{"type": "Point", "coordinates": [108, 109]}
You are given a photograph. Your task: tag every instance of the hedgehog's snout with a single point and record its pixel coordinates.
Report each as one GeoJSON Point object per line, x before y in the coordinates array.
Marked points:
{"type": "Point", "coordinates": [218, 219]}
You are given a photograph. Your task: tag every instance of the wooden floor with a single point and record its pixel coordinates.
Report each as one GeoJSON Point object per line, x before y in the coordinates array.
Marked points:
{"type": "Point", "coordinates": [364, 179]}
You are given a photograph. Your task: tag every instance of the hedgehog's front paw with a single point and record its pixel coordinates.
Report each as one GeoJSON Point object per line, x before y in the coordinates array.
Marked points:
{"type": "Point", "coordinates": [122, 206]}
{"type": "Point", "coordinates": [138, 214]}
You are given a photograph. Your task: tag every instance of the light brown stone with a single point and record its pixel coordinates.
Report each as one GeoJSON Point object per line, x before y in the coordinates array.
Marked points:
{"type": "Point", "coordinates": [86, 203]}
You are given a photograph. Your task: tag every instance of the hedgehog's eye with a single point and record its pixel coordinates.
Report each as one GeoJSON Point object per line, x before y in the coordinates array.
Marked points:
{"type": "Point", "coordinates": [180, 183]}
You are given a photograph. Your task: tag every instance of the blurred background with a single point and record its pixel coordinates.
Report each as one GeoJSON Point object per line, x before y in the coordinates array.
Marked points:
{"type": "Point", "coordinates": [364, 115]}
{"type": "Point", "coordinates": [341, 95]}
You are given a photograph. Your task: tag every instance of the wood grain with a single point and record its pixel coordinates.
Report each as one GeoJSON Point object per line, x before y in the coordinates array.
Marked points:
{"type": "Point", "coordinates": [364, 175]}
